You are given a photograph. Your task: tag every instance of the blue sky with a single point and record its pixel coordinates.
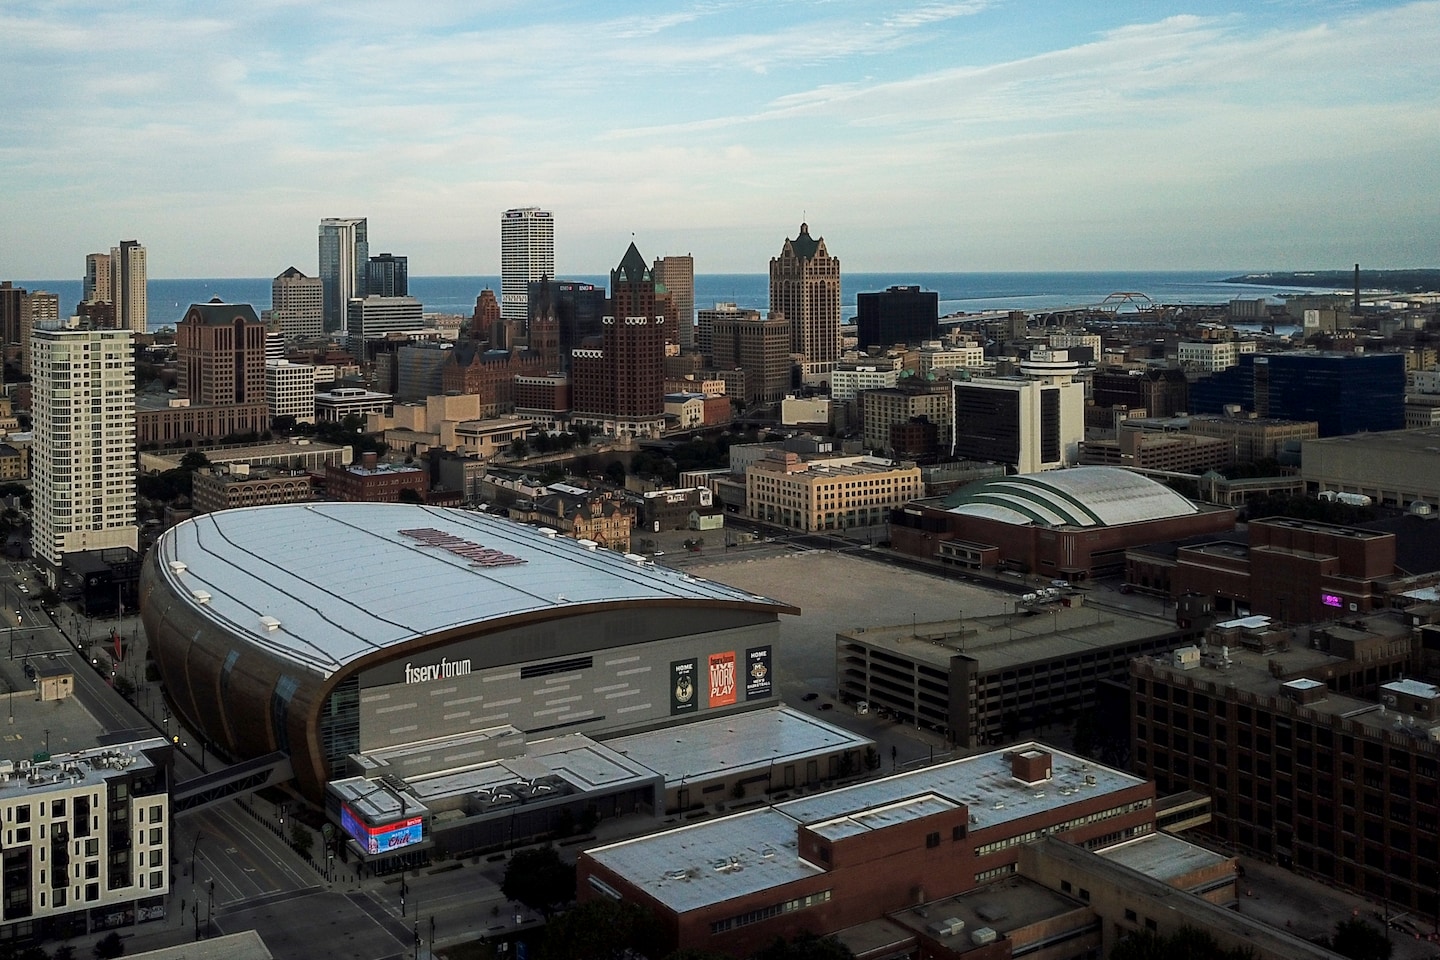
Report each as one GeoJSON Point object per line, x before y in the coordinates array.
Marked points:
{"type": "Point", "coordinates": [969, 135]}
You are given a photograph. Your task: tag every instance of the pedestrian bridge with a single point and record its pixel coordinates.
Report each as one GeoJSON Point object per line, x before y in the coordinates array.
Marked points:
{"type": "Point", "coordinates": [236, 780]}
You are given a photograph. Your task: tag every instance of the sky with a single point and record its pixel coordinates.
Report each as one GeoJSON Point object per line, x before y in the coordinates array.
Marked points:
{"type": "Point", "coordinates": [971, 135]}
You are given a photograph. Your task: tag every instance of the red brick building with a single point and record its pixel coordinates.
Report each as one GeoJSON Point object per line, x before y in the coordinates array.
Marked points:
{"type": "Point", "coordinates": [1300, 571]}
{"type": "Point", "coordinates": [618, 387]}
{"type": "Point", "coordinates": [1072, 524]}
{"type": "Point", "coordinates": [374, 482]}
{"type": "Point", "coordinates": [490, 374]}
{"type": "Point", "coordinates": [840, 858]}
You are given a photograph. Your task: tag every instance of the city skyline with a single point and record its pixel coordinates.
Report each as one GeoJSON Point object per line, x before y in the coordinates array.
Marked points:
{"type": "Point", "coordinates": [931, 136]}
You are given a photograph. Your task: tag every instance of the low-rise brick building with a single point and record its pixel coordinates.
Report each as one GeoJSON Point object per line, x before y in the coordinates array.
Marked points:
{"type": "Point", "coordinates": [375, 482]}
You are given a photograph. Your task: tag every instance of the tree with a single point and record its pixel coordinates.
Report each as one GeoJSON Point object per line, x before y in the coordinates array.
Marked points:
{"type": "Point", "coordinates": [109, 946]}
{"type": "Point", "coordinates": [409, 495]}
{"type": "Point", "coordinates": [194, 460]}
{"type": "Point", "coordinates": [582, 434]}
{"type": "Point", "coordinates": [301, 839]}
{"type": "Point", "coordinates": [63, 952]}
{"type": "Point", "coordinates": [1187, 943]}
{"type": "Point", "coordinates": [615, 473]}
{"type": "Point", "coordinates": [539, 879]}
{"type": "Point", "coordinates": [1358, 940]}
{"type": "Point", "coordinates": [518, 448]}
{"type": "Point", "coordinates": [806, 946]}
{"type": "Point", "coordinates": [601, 929]}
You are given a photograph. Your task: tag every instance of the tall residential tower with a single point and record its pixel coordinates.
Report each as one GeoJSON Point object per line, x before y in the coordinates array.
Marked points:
{"type": "Point", "coordinates": [344, 261]}
{"type": "Point", "coordinates": [84, 447]}
{"type": "Point", "coordinates": [527, 252]}
{"type": "Point", "coordinates": [127, 286]}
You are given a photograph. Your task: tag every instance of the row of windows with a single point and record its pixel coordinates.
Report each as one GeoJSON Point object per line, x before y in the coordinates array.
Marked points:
{"type": "Point", "coordinates": [1003, 844]}
{"type": "Point", "coordinates": [766, 913]}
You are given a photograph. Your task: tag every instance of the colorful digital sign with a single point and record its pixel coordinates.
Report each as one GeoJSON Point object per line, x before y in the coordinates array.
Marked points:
{"type": "Point", "coordinates": [1331, 600]}
{"type": "Point", "coordinates": [382, 839]}
{"type": "Point", "coordinates": [722, 679]}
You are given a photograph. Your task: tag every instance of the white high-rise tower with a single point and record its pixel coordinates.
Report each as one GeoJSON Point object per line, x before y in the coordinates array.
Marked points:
{"type": "Point", "coordinates": [127, 285]}
{"type": "Point", "coordinates": [527, 252]}
{"type": "Point", "coordinates": [83, 400]}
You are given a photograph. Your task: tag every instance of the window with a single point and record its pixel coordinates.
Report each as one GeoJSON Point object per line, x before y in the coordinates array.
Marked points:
{"type": "Point", "coordinates": [1131, 916]}
{"type": "Point", "coordinates": [932, 840]}
{"type": "Point", "coordinates": [157, 835]}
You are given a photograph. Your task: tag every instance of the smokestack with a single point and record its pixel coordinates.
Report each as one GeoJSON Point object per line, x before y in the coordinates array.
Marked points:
{"type": "Point", "coordinates": [1356, 311]}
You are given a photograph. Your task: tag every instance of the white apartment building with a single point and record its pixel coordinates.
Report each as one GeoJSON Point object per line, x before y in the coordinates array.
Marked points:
{"type": "Point", "coordinates": [1212, 356]}
{"type": "Point", "coordinates": [527, 252]}
{"type": "Point", "coordinates": [848, 379]}
{"type": "Point", "coordinates": [290, 390]}
{"type": "Point", "coordinates": [1067, 339]}
{"type": "Point", "coordinates": [967, 356]}
{"type": "Point", "coordinates": [128, 271]}
{"type": "Point", "coordinates": [86, 837]}
{"type": "Point", "coordinates": [83, 457]}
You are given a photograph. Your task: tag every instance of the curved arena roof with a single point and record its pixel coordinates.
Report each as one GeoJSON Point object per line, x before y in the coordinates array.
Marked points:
{"type": "Point", "coordinates": [328, 583]}
{"type": "Point", "coordinates": [1078, 497]}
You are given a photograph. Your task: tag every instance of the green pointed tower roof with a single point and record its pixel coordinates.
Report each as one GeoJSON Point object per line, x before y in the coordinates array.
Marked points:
{"type": "Point", "coordinates": [632, 269]}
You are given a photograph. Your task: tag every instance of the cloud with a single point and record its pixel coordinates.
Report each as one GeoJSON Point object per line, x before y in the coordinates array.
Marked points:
{"type": "Point", "coordinates": [717, 118]}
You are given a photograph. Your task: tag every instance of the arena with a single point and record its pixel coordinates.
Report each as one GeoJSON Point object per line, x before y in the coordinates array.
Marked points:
{"type": "Point", "coordinates": [1074, 524]}
{"type": "Point", "coordinates": [337, 631]}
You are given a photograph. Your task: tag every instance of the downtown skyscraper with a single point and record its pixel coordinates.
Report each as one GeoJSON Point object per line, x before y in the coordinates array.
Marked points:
{"type": "Point", "coordinates": [805, 287]}
{"type": "Point", "coordinates": [344, 262]}
{"type": "Point", "coordinates": [677, 275]}
{"type": "Point", "coordinates": [128, 286]}
{"type": "Point", "coordinates": [84, 448]}
{"type": "Point", "coordinates": [527, 252]}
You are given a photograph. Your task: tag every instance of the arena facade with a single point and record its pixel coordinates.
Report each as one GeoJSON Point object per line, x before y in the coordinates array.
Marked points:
{"type": "Point", "coordinates": [335, 630]}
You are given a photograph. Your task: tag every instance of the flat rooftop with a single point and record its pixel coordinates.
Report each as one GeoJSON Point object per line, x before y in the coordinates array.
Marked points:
{"type": "Point", "coordinates": [1045, 633]}
{"type": "Point", "coordinates": [1005, 905]}
{"type": "Point", "coordinates": [1162, 856]}
{"type": "Point", "coordinates": [80, 768]}
{"type": "Point", "coordinates": [315, 583]}
{"type": "Point", "coordinates": [706, 863]}
{"type": "Point", "coordinates": [710, 748]}
{"type": "Point", "coordinates": [1422, 441]}
{"type": "Point", "coordinates": [1249, 672]}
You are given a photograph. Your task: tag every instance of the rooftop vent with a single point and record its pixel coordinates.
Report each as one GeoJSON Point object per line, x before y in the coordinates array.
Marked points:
{"type": "Point", "coordinates": [269, 623]}
{"type": "Point", "coordinates": [201, 596]}
{"type": "Point", "coordinates": [177, 566]}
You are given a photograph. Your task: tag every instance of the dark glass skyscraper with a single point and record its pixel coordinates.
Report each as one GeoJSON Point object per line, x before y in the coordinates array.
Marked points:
{"type": "Point", "coordinates": [1343, 392]}
{"type": "Point", "coordinates": [577, 308]}
{"type": "Point", "coordinates": [344, 251]}
{"type": "Point", "coordinates": [388, 276]}
{"type": "Point", "coordinates": [898, 315]}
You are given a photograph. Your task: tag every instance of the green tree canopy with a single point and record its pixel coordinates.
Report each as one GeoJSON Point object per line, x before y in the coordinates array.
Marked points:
{"type": "Point", "coordinates": [539, 879]}
{"type": "Point", "coordinates": [1187, 943]}
{"type": "Point", "coordinates": [806, 946]}
{"type": "Point", "coordinates": [601, 929]}
{"type": "Point", "coordinates": [1358, 940]}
